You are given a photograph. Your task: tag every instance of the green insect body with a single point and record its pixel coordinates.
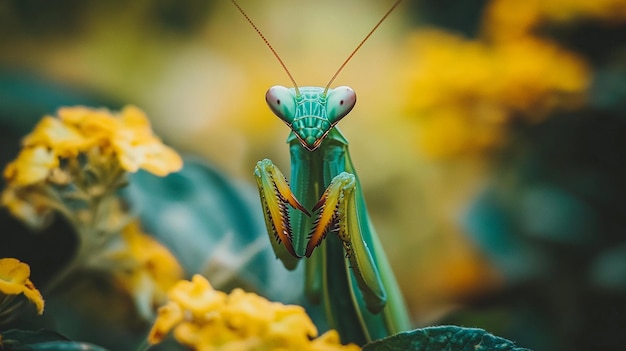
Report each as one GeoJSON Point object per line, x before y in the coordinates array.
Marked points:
{"type": "Point", "coordinates": [348, 272]}
{"type": "Point", "coordinates": [321, 216]}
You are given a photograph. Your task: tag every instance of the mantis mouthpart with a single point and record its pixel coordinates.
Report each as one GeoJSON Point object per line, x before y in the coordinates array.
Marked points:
{"type": "Point", "coordinates": [321, 216]}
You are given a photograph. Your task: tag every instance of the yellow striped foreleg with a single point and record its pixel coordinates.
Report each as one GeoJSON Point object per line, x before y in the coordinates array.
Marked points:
{"type": "Point", "coordinates": [338, 214]}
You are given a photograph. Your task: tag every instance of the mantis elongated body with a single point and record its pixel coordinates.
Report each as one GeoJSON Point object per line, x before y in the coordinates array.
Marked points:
{"type": "Point", "coordinates": [322, 215]}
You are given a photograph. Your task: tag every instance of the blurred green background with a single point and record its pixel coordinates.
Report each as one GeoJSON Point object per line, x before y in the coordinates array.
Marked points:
{"type": "Point", "coordinates": [489, 137]}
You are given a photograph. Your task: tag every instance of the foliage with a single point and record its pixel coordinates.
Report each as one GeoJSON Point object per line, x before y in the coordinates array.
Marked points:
{"type": "Point", "coordinates": [21, 340]}
{"type": "Point", "coordinates": [443, 338]}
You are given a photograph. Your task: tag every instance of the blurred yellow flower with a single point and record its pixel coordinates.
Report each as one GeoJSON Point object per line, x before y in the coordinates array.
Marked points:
{"type": "Point", "coordinates": [14, 280]}
{"type": "Point", "coordinates": [205, 319]}
{"type": "Point", "coordinates": [148, 268]}
{"type": "Point", "coordinates": [196, 296]}
{"type": "Point", "coordinates": [97, 123]}
{"type": "Point", "coordinates": [28, 206]}
{"type": "Point", "coordinates": [511, 19]}
{"type": "Point", "coordinates": [32, 165]}
{"type": "Point", "coordinates": [169, 316]}
{"type": "Point", "coordinates": [64, 139]}
{"type": "Point", "coordinates": [446, 133]}
{"type": "Point", "coordinates": [463, 93]}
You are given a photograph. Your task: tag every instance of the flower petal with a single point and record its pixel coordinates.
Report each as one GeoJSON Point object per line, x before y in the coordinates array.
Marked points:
{"type": "Point", "coordinates": [197, 296]}
{"type": "Point", "coordinates": [32, 165]}
{"type": "Point", "coordinates": [168, 316]}
{"type": "Point", "coordinates": [34, 296]}
{"type": "Point", "coordinates": [14, 280]}
{"type": "Point", "coordinates": [65, 139]}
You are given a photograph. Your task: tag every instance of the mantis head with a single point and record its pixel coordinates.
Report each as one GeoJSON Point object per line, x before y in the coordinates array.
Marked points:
{"type": "Point", "coordinates": [310, 112]}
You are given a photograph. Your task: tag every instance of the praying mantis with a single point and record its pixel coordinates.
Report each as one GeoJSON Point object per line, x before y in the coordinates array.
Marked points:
{"type": "Point", "coordinates": [322, 215]}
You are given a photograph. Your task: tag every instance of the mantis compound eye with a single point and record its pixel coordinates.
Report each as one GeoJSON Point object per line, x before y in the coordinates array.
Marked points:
{"type": "Point", "coordinates": [282, 102]}
{"type": "Point", "coordinates": [339, 103]}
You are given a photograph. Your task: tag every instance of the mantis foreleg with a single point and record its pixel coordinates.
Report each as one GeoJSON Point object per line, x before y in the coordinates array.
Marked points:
{"type": "Point", "coordinates": [275, 196]}
{"type": "Point", "coordinates": [337, 214]}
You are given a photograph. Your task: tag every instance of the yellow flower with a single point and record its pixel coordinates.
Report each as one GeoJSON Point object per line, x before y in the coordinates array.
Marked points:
{"type": "Point", "coordinates": [168, 316]}
{"type": "Point", "coordinates": [196, 296]}
{"type": "Point", "coordinates": [14, 280]}
{"type": "Point", "coordinates": [446, 133]}
{"type": "Point", "coordinates": [128, 135]}
{"type": "Point", "coordinates": [204, 319]}
{"type": "Point", "coordinates": [98, 133]}
{"type": "Point", "coordinates": [136, 147]}
{"type": "Point", "coordinates": [87, 148]}
{"type": "Point", "coordinates": [329, 341]}
{"type": "Point", "coordinates": [511, 19]}
{"type": "Point", "coordinates": [463, 93]}
{"type": "Point", "coordinates": [64, 139]}
{"type": "Point", "coordinates": [536, 77]}
{"type": "Point", "coordinates": [33, 165]}
{"type": "Point", "coordinates": [29, 206]}
{"type": "Point", "coordinates": [92, 122]}
{"type": "Point", "coordinates": [292, 326]}
{"type": "Point", "coordinates": [149, 268]}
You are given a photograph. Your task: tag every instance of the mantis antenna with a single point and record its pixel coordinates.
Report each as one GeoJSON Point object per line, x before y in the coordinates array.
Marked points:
{"type": "Point", "coordinates": [340, 67]}
{"type": "Point", "coordinates": [360, 44]}
{"type": "Point", "coordinates": [268, 45]}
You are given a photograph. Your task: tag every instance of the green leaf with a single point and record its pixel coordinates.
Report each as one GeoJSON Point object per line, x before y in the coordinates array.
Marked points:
{"type": "Point", "coordinates": [31, 336]}
{"type": "Point", "coordinates": [42, 340]}
{"type": "Point", "coordinates": [448, 338]}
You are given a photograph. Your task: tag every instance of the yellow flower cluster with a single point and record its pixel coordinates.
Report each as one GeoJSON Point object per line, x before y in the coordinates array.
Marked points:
{"type": "Point", "coordinates": [509, 19]}
{"type": "Point", "coordinates": [147, 268]}
{"type": "Point", "coordinates": [78, 145]}
{"type": "Point", "coordinates": [127, 136]}
{"type": "Point", "coordinates": [74, 164]}
{"type": "Point", "coordinates": [14, 280]}
{"type": "Point", "coordinates": [464, 92]}
{"type": "Point", "coordinates": [205, 319]}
